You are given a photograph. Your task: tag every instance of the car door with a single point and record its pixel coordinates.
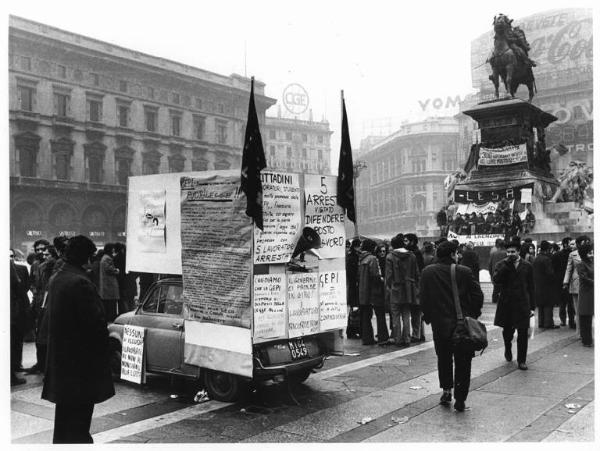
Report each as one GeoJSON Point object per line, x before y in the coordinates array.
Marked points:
{"type": "Point", "coordinates": [162, 316]}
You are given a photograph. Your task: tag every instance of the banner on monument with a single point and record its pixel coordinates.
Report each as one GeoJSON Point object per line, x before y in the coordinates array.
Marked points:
{"type": "Point", "coordinates": [462, 196]}
{"type": "Point", "coordinates": [484, 209]}
{"type": "Point", "coordinates": [502, 156]}
{"type": "Point", "coordinates": [282, 217]}
{"type": "Point", "coordinates": [477, 240]}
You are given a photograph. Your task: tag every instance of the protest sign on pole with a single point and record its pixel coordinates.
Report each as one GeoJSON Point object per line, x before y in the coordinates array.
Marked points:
{"type": "Point", "coordinates": [324, 215]}
{"type": "Point", "coordinates": [282, 217]}
{"type": "Point", "coordinates": [132, 354]}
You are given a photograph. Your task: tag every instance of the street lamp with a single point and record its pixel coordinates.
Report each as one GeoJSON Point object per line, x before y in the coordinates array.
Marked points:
{"type": "Point", "coordinates": [357, 168]}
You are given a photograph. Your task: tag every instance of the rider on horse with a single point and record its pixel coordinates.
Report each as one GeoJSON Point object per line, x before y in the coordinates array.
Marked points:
{"type": "Point", "coordinates": [515, 38]}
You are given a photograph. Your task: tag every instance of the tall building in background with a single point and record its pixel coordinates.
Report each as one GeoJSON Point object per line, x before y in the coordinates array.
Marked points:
{"type": "Point", "coordinates": [297, 145]}
{"type": "Point", "coordinates": [561, 45]}
{"type": "Point", "coordinates": [84, 115]}
{"type": "Point", "coordinates": [402, 186]}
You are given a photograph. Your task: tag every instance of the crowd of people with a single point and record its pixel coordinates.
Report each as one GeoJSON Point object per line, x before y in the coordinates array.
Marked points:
{"type": "Point", "coordinates": [504, 220]}
{"type": "Point", "coordinates": [106, 270]}
{"type": "Point", "coordinates": [413, 285]}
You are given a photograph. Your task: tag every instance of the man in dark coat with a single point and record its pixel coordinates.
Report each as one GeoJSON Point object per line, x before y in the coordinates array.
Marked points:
{"type": "Point", "coordinates": [471, 259]}
{"type": "Point", "coordinates": [496, 255]}
{"type": "Point", "coordinates": [437, 302]}
{"type": "Point", "coordinates": [544, 284]}
{"type": "Point", "coordinates": [78, 372]}
{"type": "Point", "coordinates": [559, 263]}
{"type": "Point", "coordinates": [516, 303]}
{"type": "Point", "coordinates": [411, 241]}
{"type": "Point", "coordinates": [370, 288]}
{"type": "Point", "coordinates": [19, 316]}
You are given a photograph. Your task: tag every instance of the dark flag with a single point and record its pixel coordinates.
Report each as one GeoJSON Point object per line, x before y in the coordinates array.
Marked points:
{"type": "Point", "coordinates": [253, 161]}
{"type": "Point", "coordinates": [345, 181]}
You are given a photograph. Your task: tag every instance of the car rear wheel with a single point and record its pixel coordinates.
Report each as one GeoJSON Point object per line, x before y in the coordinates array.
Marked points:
{"type": "Point", "coordinates": [115, 359]}
{"type": "Point", "coordinates": [221, 386]}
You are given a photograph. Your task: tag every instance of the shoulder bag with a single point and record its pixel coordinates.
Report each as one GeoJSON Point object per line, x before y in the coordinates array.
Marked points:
{"type": "Point", "coordinates": [469, 333]}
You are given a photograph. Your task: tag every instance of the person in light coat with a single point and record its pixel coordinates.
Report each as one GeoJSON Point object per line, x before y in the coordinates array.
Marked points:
{"type": "Point", "coordinates": [585, 268]}
{"type": "Point", "coordinates": [108, 285]}
{"type": "Point", "coordinates": [571, 280]}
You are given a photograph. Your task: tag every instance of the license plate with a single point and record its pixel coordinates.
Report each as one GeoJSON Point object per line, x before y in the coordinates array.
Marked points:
{"type": "Point", "coordinates": [298, 349]}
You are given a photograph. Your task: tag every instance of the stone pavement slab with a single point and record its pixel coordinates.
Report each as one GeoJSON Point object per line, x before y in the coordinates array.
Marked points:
{"type": "Point", "coordinates": [579, 428]}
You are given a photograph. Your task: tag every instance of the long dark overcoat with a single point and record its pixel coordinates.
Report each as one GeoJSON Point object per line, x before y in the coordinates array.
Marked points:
{"type": "Point", "coordinates": [437, 300]}
{"type": "Point", "coordinates": [516, 294]}
{"type": "Point", "coordinates": [586, 288]}
{"type": "Point", "coordinates": [77, 365]}
{"type": "Point", "coordinates": [544, 282]}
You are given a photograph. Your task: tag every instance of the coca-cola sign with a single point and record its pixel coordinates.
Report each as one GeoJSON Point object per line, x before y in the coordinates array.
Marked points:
{"type": "Point", "coordinates": [561, 45]}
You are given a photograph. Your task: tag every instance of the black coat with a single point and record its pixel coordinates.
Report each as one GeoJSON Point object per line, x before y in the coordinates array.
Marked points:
{"type": "Point", "coordinates": [516, 294]}
{"type": "Point", "coordinates": [471, 260]}
{"type": "Point", "coordinates": [559, 263]}
{"type": "Point", "coordinates": [21, 315]}
{"type": "Point", "coordinates": [351, 279]}
{"type": "Point", "coordinates": [546, 294]}
{"type": "Point", "coordinates": [77, 364]}
{"type": "Point", "coordinates": [437, 300]}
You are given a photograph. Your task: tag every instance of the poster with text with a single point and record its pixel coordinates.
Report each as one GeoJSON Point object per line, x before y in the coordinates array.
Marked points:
{"type": "Point", "coordinates": [152, 221]}
{"type": "Point", "coordinates": [216, 240]}
{"type": "Point", "coordinates": [332, 294]}
{"type": "Point", "coordinates": [303, 304]}
{"type": "Point", "coordinates": [282, 217]}
{"type": "Point", "coordinates": [132, 354]}
{"type": "Point", "coordinates": [269, 305]}
{"type": "Point", "coordinates": [324, 215]}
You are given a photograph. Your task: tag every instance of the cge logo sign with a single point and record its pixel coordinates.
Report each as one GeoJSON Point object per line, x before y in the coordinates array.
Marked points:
{"type": "Point", "coordinates": [295, 98]}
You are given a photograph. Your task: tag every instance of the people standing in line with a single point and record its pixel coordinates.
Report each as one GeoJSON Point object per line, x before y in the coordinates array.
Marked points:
{"type": "Point", "coordinates": [411, 242]}
{"type": "Point", "coordinates": [571, 279]}
{"type": "Point", "coordinates": [383, 335]}
{"type": "Point", "coordinates": [439, 310]}
{"type": "Point", "coordinates": [35, 279]}
{"type": "Point", "coordinates": [559, 262]}
{"type": "Point", "coordinates": [78, 372]}
{"type": "Point", "coordinates": [585, 269]}
{"type": "Point", "coordinates": [19, 316]}
{"type": "Point", "coordinates": [401, 278]}
{"type": "Point", "coordinates": [544, 283]}
{"type": "Point", "coordinates": [516, 303]}
{"type": "Point", "coordinates": [527, 252]}
{"type": "Point", "coordinates": [352, 253]}
{"type": "Point", "coordinates": [108, 284]}
{"type": "Point", "coordinates": [470, 259]}
{"type": "Point", "coordinates": [370, 283]}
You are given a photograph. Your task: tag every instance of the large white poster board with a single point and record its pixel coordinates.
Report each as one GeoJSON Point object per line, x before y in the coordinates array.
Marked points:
{"type": "Point", "coordinates": [303, 304]}
{"type": "Point", "coordinates": [332, 294]}
{"type": "Point", "coordinates": [270, 314]}
{"type": "Point", "coordinates": [132, 354]}
{"type": "Point", "coordinates": [282, 217]}
{"type": "Point", "coordinates": [324, 215]}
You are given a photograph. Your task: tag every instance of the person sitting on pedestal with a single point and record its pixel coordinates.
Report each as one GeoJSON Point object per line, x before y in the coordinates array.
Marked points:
{"type": "Point", "coordinates": [489, 223]}
{"type": "Point", "coordinates": [529, 221]}
{"type": "Point", "coordinates": [459, 223]}
{"type": "Point", "coordinates": [480, 224]}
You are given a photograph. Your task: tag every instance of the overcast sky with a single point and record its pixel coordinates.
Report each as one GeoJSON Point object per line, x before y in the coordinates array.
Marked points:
{"type": "Point", "coordinates": [387, 55]}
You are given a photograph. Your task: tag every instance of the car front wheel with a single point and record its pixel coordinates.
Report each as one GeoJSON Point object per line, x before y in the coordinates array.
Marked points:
{"type": "Point", "coordinates": [222, 386]}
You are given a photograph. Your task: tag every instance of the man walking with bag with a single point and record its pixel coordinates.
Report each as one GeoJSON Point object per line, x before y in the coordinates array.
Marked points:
{"type": "Point", "coordinates": [439, 304]}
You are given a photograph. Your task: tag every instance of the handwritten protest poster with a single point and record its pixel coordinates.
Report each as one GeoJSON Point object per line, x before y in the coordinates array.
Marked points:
{"type": "Point", "coordinates": [332, 294]}
{"type": "Point", "coordinates": [269, 305]}
{"type": "Point", "coordinates": [152, 220]}
{"type": "Point", "coordinates": [281, 217]}
{"type": "Point", "coordinates": [303, 304]}
{"type": "Point", "coordinates": [324, 215]}
{"type": "Point", "coordinates": [216, 240]}
{"type": "Point", "coordinates": [132, 354]}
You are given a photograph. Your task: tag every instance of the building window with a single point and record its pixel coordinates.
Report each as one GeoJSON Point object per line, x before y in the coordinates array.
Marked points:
{"type": "Point", "coordinates": [122, 86]}
{"type": "Point", "coordinates": [272, 150]}
{"type": "Point", "coordinates": [320, 139]}
{"type": "Point", "coordinates": [150, 167]}
{"type": "Point", "coordinates": [62, 165]}
{"type": "Point", "coordinates": [95, 79]}
{"type": "Point", "coordinates": [176, 98]}
{"type": "Point", "coordinates": [176, 125]}
{"type": "Point", "coordinates": [151, 119]}
{"type": "Point", "coordinates": [123, 171]}
{"type": "Point", "coordinates": [198, 103]}
{"type": "Point", "coordinates": [176, 164]}
{"type": "Point", "coordinates": [221, 132]}
{"type": "Point", "coordinates": [123, 115]}
{"type": "Point", "coordinates": [199, 127]}
{"type": "Point", "coordinates": [94, 107]}
{"type": "Point", "coordinates": [221, 108]}
{"type": "Point", "coordinates": [26, 95]}
{"type": "Point", "coordinates": [288, 136]}
{"type": "Point", "coordinates": [150, 92]}
{"type": "Point", "coordinates": [288, 152]}
{"type": "Point", "coordinates": [199, 165]}
{"type": "Point", "coordinates": [62, 71]}
{"type": "Point", "coordinates": [304, 138]}
{"type": "Point", "coordinates": [95, 169]}
{"type": "Point", "coordinates": [25, 63]}
{"type": "Point", "coordinates": [320, 154]}
{"type": "Point", "coordinates": [304, 156]}
{"type": "Point", "coordinates": [418, 165]}
{"type": "Point", "coordinates": [272, 134]}
{"type": "Point", "coordinates": [27, 163]}
{"type": "Point", "coordinates": [61, 105]}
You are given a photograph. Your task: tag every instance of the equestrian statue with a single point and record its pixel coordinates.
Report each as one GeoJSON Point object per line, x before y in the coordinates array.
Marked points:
{"type": "Point", "coordinates": [510, 60]}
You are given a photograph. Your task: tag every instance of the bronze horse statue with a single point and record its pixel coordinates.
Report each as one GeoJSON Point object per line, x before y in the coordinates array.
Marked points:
{"type": "Point", "coordinates": [509, 59]}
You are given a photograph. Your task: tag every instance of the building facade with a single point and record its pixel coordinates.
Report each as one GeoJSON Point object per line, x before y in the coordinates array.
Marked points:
{"type": "Point", "coordinates": [561, 46]}
{"type": "Point", "coordinates": [84, 115]}
{"type": "Point", "coordinates": [402, 186]}
{"type": "Point", "coordinates": [297, 145]}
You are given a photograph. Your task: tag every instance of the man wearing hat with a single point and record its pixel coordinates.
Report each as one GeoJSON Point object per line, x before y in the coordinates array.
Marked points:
{"type": "Point", "coordinates": [516, 303]}
{"type": "Point", "coordinates": [437, 302]}
{"type": "Point", "coordinates": [546, 294]}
